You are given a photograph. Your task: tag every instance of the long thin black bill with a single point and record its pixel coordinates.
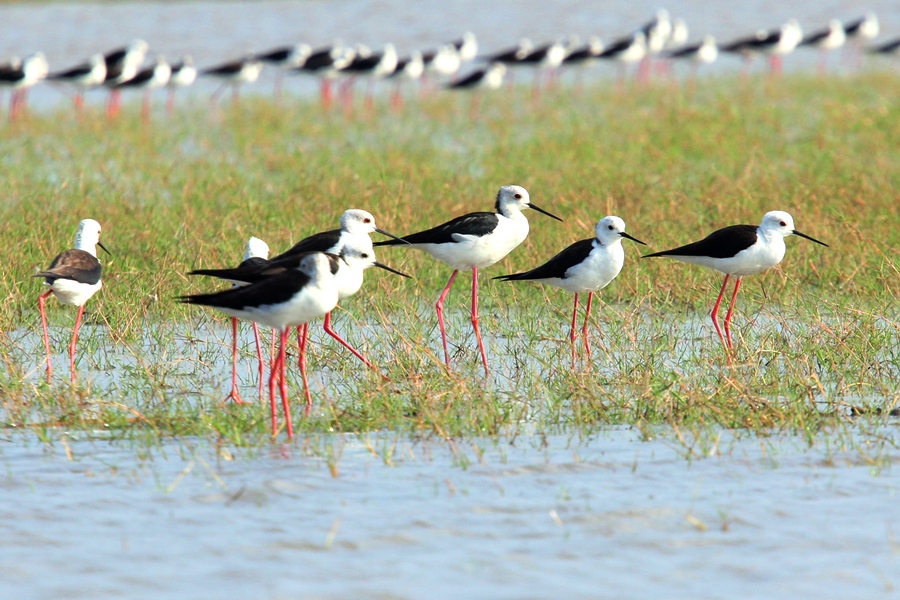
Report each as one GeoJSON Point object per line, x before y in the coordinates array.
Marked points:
{"type": "Point", "coordinates": [390, 235]}
{"type": "Point", "coordinates": [633, 239]}
{"type": "Point", "coordinates": [110, 253]}
{"type": "Point", "coordinates": [542, 211]}
{"type": "Point", "coordinates": [394, 271]}
{"type": "Point", "coordinates": [812, 239]}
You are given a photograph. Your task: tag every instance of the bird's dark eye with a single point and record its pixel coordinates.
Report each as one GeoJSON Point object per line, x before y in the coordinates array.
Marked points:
{"type": "Point", "coordinates": [367, 220]}
{"type": "Point", "coordinates": [610, 227]}
{"type": "Point", "coordinates": [364, 255]}
{"type": "Point", "coordinates": [783, 224]}
{"type": "Point", "coordinates": [518, 196]}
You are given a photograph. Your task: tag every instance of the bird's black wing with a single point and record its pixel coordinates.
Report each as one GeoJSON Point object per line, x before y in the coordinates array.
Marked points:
{"type": "Point", "coordinates": [477, 224]}
{"type": "Point", "coordinates": [73, 73]}
{"type": "Point", "coordinates": [76, 265]}
{"type": "Point", "coordinates": [318, 242]}
{"type": "Point", "coordinates": [468, 81]}
{"type": "Point", "coordinates": [271, 290]}
{"type": "Point", "coordinates": [558, 265]}
{"type": "Point", "coordinates": [723, 243]}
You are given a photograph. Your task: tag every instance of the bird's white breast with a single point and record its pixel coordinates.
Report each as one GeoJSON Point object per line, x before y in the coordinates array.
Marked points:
{"type": "Point", "coordinates": [73, 293]}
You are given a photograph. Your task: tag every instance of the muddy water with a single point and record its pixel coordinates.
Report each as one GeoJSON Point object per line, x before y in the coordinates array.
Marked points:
{"type": "Point", "coordinates": [214, 31]}
{"type": "Point", "coordinates": [615, 516]}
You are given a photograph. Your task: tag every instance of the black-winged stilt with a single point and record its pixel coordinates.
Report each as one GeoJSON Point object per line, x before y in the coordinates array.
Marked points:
{"type": "Point", "coordinates": [475, 241]}
{"type": "Point", "coordinates": [289, 299]}
{"type": "Point", "coordinates": [489, 77]}
{"type": "Point", "coordinates": [410, 68]}
{"type": "Point", "coordinates": [656, 32]}
{"type": "Point", "coordinates": [701, 53]}
{"type": "Point", "coordinates": [73, 277]}
{"type": "Point", "coordinates": [284, 58]}
{"type": "Point", "coordinates": [84, 77]}
{"type": "Point", "coordinates": [184, 73]}
{"type": "Point", "coordinates": [859, 30]}
{"type": "Point", "coordinates": [234, 73]}
{"type": "Point", "coordinates": [148, 80]}
{"type": "Point", "coordinates": [738, 251]}
{"type": "Point", "coordinates": [626, 51]}
{"type": "Point", "coordinates": [585, 267]}
{"type": "Point", "coordinates": [326, 63]}
{"type": "Point", "coordinates": [886, 48]}
{"type": "Point", "coordinates": [20, 76]}
{"type": "Point", "coordinates": [375, 66]}
{"type": "Point", "coordinates": [467, 47]}
{"type": "Point", "coordinates": [826, 40]}
{"type": "Point", "coordinates": [122, 64]}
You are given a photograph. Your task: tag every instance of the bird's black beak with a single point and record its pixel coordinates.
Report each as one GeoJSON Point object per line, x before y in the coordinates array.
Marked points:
{"type": "Point", "coordinates": [391, 235]}
{"type": "Point", "coordinates": [542, 211]}
{"type": "Point", "coordinates": [633, 239]}
{"type": "Point", "coordinates": [394, 271]}
{"type": "Point", "coordinates": [108, 252]}
{"type": "Point", "coordinates": [812, 239]}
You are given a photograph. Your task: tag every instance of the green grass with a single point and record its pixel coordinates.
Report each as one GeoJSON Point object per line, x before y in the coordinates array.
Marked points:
{"type": "Point", "coordinates": [819, 334]}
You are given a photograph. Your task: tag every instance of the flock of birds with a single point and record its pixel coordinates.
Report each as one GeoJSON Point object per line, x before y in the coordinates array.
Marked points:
{"type": "Point", "coordinates": [307, 281]}
{"type": "Point", "coordinates": [661, 39]}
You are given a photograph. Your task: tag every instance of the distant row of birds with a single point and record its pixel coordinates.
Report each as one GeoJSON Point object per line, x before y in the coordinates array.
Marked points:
{"type": "Point", "coordinates": [307, 281]}
{"type": "Point", "coordinates": [659, 38]}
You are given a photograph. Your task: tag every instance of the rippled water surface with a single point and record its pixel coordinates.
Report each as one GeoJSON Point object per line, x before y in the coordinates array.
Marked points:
{"type": "Point", "coordinates": [615, 516]}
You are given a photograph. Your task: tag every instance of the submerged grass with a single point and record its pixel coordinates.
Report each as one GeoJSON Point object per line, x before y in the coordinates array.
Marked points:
{"type": "Point", "coordinates": [819, 334]}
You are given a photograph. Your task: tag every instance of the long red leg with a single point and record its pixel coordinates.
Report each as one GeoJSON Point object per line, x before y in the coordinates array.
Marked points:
{"type": "Point", "coordinates": [170, 102]}
{"type": "Point", "coordinates": [440, 313]}
{"type": "Point", "coordinates": [284, 391]}
{"type": "Point", "coordinates": [475, 320]}
{"type": "Point", "coordinates": [584, 330]}
{"type": "Point", "coordinates": [574, 326]}
{"type": "Point", "coordinates": [302, 335]}
{"type": "Point", "coordinates": [303, 366]}
{"type": "Point", "coordinates": [259, 357]}
{"type": "Point", "coordinates": [273, 377]}
{"type": "Point", "coordinates": [145, 108]}
{"type": "Point", "coordinates": [737, 284]}
{"type": "Point", "coordinates": [272, 351]}
{"type": "Point", "coordinates": [343, 342]}
{"type": "Point", "coordinates": [715, 313]}
{"type": "Point", "coordinates": [234, 394]}
{"type": "Point", "coordinates": [41, 303]}
{"type": "Point", "coordinates": [327, 95]}
{"type": "Point", "coordinates": [75, 341]}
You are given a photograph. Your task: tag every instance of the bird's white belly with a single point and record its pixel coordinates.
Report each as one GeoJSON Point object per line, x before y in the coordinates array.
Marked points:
{"type": "Point", "coordinates": [313, 303]}
{"type": "Point", "coordinates": [73, 293]}
{"type": "Point", "coordinates": [349, 280]}
{"type": "Point", "coordinates": [477, 252]}
{"type": "Point", "coordinates": [594, 274]}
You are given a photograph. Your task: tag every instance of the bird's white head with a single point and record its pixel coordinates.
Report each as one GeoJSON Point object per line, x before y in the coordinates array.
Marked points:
{"type": "Point", "coordinates": [358, 257]}
{"type": "Point", "coordinates": [514, 198]}
{"type": "Point", "coordinates": [88, 236]}
{"type": "Point", "coordinates": [778, 221]}
{"type": "Point", "coordinates": [357, 221]}
{"type": "Point", "coordinates": [610, 230]}
{"type": "Point", "coordinates": [782, 223]}
{"type": "Point", "coordinates": [256, 248]}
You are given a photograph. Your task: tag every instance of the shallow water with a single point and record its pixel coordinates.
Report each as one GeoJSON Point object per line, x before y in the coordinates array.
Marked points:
{"type": "Point", "coordinates": [216, 31]}
{"type": "Point", "coordinates": [613, 516]}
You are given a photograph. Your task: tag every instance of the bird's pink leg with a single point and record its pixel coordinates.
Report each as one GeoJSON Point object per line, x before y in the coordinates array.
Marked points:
{"type": "Point", "coordinates": [145, 108]}
{"type": "Point", "coordinates": [584, 330]}
{"type": "Point", "coordinates": [572, 330]}
{"type": "Point", "coordinates": [272, 351]}
{"type": "Point", "coordinates": [302, 334]}
{"type": "Point", "coordinates": [475, 320]}
{"type": "Point", "coordinates": [170, 102]}
{"type": "Point", "coordinates": [440, 313]}
{"type": "Point", "coordinates": [327, 95]}
{"type": "Point", "coordinates": [343, 342]}
{"type": "Point", "coordinates": [284, 391]}
{"type": "Point", "coordinates": [259, 357]}
{"type": "Point", "coordinates": [41, 303]}
{"type": "Point", "coordinates": [303, 341]}
{"type": "Point", "coordinates": [235, 94]}
{"type": "Point", "coordinates": [273, 377]}
{"type": "Point", "coordinates": [715, 313]}
{"type": "Point", "coordinates": [737, 284]}
{"type": "Point", "coordinates": [235, 394]}
{"type": "Point", "coordinates": [75, 341]}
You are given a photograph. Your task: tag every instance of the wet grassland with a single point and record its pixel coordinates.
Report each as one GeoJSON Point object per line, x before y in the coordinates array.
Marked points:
{"type": "Point", "coordinates": [817, 338]}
